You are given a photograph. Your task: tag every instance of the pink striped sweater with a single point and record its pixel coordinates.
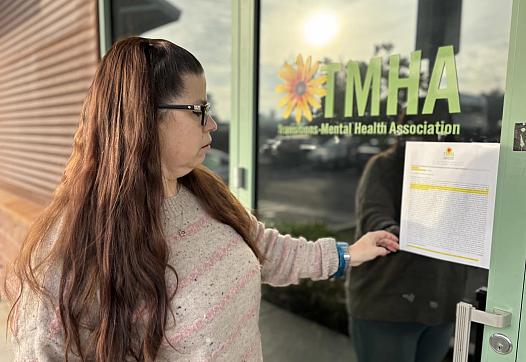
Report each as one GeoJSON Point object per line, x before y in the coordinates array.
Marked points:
{"type": "Point", "coordinates": [216, 306]}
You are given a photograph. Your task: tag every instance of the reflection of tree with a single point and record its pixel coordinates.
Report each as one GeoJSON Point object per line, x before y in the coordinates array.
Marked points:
{"type": "Point", "coordinates": [212, 100]}
{"type": "Point", "coordinates": [220, 136]}
{"type": "Point", "coordinates": [495, 104]}
{"type": "Point", "coordinates": [383, 50]}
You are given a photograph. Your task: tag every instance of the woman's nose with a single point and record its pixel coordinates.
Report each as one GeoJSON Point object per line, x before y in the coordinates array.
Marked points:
{"type": "Point", "coordinates": [211, 125]}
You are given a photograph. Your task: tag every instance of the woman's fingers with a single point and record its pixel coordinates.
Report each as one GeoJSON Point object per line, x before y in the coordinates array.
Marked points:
{"type": "Point", "coordinates": [384, 239]}
{"type": "Point", "coordinates": [388, 244]}
{"type": "Point", "coordinates": [372, 245]}
{"type": "Point", "coordinates": [382, 234]}
{"type": "Point", "coordinates": [380, 251]}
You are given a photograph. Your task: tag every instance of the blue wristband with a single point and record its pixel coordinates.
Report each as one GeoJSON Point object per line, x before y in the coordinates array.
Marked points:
{"type": "Point", "coordinates": [341, 247]}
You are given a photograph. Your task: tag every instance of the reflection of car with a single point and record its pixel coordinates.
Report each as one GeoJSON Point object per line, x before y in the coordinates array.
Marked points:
{"type": "Point", "coordinates": [365, 151]}
{"type": "Point", "coordinates": [217, 161]}
{"type": "Point", "coordinates": [474, 116]}
{"type": "Point", "coordinates": [335, 152]}
{"type": "Point", "coordinates": [286, 150]}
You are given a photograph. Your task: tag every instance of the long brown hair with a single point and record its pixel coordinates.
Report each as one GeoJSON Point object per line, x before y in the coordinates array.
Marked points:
{"type": "Point", "coordinates": [111, 248]}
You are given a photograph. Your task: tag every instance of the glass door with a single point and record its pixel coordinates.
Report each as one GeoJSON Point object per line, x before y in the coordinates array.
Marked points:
{"type": "Point", "coordinates": [327, 96]}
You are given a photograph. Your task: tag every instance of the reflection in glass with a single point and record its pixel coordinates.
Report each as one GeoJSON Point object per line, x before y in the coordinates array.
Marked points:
{"type": "Point", "coordinates": [204, 28]}
{"type": "Point", "coordinates": [315, 176]}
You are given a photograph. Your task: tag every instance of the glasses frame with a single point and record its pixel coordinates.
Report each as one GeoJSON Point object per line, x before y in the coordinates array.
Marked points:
{"type": "Point", "coordinates": [204, 109]}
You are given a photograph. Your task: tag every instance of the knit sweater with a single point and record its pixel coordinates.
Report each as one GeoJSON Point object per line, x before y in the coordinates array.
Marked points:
{"type": "Point", "coordinates": [216, 306]}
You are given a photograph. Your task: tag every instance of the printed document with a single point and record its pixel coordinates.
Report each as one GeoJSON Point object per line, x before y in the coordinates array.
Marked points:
{"type": "Point", "coordinates": [448, 200]}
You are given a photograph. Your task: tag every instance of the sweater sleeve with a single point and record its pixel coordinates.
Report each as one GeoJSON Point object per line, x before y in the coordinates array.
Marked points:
{"type": "Point", "coordinates": [288, 259]}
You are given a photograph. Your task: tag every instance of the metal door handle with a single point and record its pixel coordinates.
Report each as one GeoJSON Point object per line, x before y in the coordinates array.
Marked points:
{"type": "Point", "coordinates": [466, 314]}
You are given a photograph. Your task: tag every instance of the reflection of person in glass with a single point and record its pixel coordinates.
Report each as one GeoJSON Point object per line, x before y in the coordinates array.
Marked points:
{"type": "Point", "coordinates": [143, 253]}
{"type": "Point", "coordinates": [402, 307]}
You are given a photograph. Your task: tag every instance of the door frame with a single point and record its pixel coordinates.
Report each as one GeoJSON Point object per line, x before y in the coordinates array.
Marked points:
{"type": "Point", "coordinates": [508, 252]}
{"type": "Point", "coordinates": [104, 14]}
{"type": "Point", "coordinates": [243, 124]}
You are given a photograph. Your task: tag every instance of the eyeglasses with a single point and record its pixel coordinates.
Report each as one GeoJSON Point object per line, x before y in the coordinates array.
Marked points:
{"type": "Point", "coordinates": [202, 109]}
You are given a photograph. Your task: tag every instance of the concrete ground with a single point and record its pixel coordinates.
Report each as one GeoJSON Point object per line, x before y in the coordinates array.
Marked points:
{"type": "Point", "coordinates": [287, 337]}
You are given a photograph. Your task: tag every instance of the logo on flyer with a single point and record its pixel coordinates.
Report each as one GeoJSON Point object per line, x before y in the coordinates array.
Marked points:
{"type": "Point", "coordinates": [449, 154]}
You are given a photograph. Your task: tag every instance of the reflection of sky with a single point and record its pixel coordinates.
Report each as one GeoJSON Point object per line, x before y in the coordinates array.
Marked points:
{"type": "Point", "coordinates": [484, 40]}
{"type": "Point", "coordinates": [205, 29]}
{"type": "Point", "coordinates": [369, 22]}
{"type": "Point", "coordinates": [481, 62]}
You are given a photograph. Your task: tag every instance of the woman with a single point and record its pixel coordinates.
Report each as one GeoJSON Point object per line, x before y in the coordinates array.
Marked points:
{"type": "Point", "coordinates": [143, 254]}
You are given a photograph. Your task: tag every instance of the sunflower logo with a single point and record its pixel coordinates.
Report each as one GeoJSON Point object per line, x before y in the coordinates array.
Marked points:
{"type": "Point", "coordinates": [301, 88]}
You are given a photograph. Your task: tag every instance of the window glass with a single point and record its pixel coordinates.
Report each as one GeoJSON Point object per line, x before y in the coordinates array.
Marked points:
{"type": "Point", "coordinates": [342, 86]}
{"type": "Point", "coordinates": [205, 29]}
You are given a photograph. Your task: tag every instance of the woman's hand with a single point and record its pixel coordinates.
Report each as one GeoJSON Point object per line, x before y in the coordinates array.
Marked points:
{"type": "Point", "coordinates": [372, 245]}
